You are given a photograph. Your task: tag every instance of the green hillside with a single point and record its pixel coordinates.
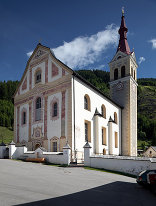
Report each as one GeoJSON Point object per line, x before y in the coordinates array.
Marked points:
{"type": "Point", "coordinates": [6, 135]}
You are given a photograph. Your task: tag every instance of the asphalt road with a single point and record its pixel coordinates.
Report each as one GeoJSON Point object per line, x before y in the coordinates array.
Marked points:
{"type": "Point", "coordinates": [23, 183]}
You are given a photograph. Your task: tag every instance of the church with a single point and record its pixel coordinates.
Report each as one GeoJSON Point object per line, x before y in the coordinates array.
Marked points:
{"type": "Point", "coordinates": [54, 105]}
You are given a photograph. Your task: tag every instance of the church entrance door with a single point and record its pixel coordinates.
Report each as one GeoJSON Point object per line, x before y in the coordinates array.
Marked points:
{"type": "Point", "coordinates": [37, 146]}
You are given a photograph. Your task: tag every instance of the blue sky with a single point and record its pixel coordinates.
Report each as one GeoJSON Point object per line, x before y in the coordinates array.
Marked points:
{"type": "Point", "coordinates": [83, 33]}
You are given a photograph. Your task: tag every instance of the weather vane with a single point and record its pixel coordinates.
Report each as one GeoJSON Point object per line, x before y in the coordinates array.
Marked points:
{"type": "Point", "coordinates": [39, 41]}
{"type": "Point", "coordinates": [123, 11]}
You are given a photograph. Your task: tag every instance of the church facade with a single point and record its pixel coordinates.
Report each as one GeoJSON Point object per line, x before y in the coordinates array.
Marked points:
{"type": "Point", "coordinates": [54, 105]}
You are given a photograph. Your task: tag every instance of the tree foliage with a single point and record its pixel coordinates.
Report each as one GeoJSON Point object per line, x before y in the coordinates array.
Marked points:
{"type": "Point", "coordinates": [7, 90]}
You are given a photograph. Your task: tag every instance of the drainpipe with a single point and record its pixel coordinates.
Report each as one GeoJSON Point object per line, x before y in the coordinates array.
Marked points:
{"type": "Point", "coordinates": [75, 160]}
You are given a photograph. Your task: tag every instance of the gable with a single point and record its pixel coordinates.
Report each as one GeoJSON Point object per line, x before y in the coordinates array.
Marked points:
{"type": "Point", "coordinates": [118, 55]}
{"type": "Point", "coordinates": [41, 59]}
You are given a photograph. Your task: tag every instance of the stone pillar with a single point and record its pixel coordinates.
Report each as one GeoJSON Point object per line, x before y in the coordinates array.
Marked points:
{"type": "Point", "coordinates": [110, 138]}
{"type": "Point", "coordinates": [67, 154]}
{"type": "Point", "coordinates": [2, 150]}
{"type": "Point", "coordinates": [87, 153]}
{"type": "Point", "coordinates": [12, 149]}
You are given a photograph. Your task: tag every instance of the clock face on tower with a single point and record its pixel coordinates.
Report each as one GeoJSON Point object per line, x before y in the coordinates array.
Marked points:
{"type": "Point", "coordinates": [119, 86]}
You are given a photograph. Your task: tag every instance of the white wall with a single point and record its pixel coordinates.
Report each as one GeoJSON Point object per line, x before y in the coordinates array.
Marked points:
{"type": "Point", "coordinates": [51, 157]}
{"type": "Point", "coordinates": [130, 165]}
{"type": "Point", "coordinates": [81, 114]}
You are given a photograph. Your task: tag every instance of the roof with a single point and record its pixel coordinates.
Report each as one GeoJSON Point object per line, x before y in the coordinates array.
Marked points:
{"type": "Point", "coordinates": [74, 73]}
{"type": "Point", "coordinates": [95, 88]}
{"type": "Point", "coordinates": [123, 43]}
{"type": "Point", "coordinates": [154, 148]}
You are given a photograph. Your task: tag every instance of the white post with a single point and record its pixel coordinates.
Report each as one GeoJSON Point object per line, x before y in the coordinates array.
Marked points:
{"type": "Point", "coordinates": [12, 149]}
{"type": "Point", "coordinates": [67, 154]}
{"type": "Point", "coordinates": [2, 150]}
{"type": "Point", "coordinates": [87, 152]}
{"type": "Point", "coordinates": [110, 140]}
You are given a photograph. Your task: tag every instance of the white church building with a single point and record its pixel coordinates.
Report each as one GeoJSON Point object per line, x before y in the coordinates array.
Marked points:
{"type": "Point", "coordinates": [54, 105]}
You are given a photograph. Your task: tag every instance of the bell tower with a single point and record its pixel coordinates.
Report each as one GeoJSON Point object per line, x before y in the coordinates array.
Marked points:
{"type": "Point", "coordinates": [123, 90]}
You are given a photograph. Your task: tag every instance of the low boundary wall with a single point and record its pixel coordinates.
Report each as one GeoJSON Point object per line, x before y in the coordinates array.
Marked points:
{"type": "Point", "coordinates": [130, 165]}
{"type": "Point", "coordinates": [16, 152]}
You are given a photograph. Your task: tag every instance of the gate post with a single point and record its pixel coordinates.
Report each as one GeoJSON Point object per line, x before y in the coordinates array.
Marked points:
{"type": "Point", "coordinates": [12, 149]}
{"type": "Point", "coordinates": [67, 154]}
{"type": "Point", "coordinates": [2, 150]}
{"type": "Point", "coordinates": [87, 151]}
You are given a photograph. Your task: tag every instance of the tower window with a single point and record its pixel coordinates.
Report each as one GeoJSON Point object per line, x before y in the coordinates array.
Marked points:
{"type": "Point", "coordinates": [119, 57]}
{"type": "Point", "coordinates": [134, 74]}
{"type": "Point", "coordinates": [38, 109]}
{"type": "Point", "coordinates": [132, 71]}
{"type": "Point", "coordinates": [122, 71]}
{"type": "Point", "coordinates": [115, 74]}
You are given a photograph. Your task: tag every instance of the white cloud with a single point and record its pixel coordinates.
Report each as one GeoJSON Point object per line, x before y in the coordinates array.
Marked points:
{"type": "Point", "coordinates": [83, 51]}
{"type": "Point", "coordinates": [29, 53]}
{"type": "Point", "coordinates": [141, 59]}
{"type": "Point", "coordinates": [153, 41]}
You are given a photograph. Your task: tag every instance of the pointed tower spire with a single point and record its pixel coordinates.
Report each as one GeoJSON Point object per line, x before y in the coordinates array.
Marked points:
{"type": "Point", "coordinates": [123, 44]}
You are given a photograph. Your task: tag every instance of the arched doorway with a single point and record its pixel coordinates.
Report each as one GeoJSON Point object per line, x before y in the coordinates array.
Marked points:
{"type": "Point", "coordinates": [37, 145]}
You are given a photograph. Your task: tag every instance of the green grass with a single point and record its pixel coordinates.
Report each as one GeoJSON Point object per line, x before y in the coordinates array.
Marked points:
{"type": "Point", "coordinates": [6, 134]}
{"type": "Point", "coordinates": [111, 171]}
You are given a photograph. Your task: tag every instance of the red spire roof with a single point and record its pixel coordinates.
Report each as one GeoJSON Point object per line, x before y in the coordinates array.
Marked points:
{"type": "Point", "coordinates": [123, 44]}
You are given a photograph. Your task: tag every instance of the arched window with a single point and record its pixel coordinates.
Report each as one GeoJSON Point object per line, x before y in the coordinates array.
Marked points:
{"type": "Point", "coordinates": [103, 111]}
{"type": "Point", "coordinates": [38, 109]}
{"type": "Point", "coordinates": [55, 109]}
{"type": "Point", "coordinates": [122, 71]}
{"type": "Point", "coordinates": [24, 118]}
{"type": "Point", "coordinates": [87, 102]}
{"type": "Point", "coordinates": [116, 139]}
{"type": "Point", "coordinates": [38, 76]}
{"type": "Point", "coordinates": [115, 74]}
{"type": "Point", "coordinates": [115, 118]}
{"type": "Point", "coordinates": [132, 71]}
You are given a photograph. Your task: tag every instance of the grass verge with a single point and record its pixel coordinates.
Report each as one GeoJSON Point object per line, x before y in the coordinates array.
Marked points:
{"type": "Point", "coordinates": [111, 171]}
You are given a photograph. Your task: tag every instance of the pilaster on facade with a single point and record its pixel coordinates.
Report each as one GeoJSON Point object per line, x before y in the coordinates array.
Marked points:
{"type": "Point", "coordinates": [30, 120]}
{"type": "Point", "coordinates": [45, 117]}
